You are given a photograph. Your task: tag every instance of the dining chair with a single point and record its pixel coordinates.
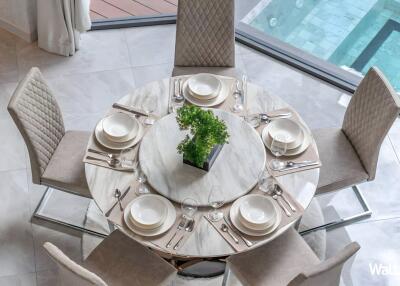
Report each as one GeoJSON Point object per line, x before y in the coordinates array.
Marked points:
{"type": "Point", "coordinates": [117, 261]}
{"type": "Point", "coordinates": [55, 154]}
{"type": "Point", "coordinates": [205, 37]}
{"type": "Point", "coordinates": [349, 155]}
{"type": "Point", "coordinates": [287, 260]}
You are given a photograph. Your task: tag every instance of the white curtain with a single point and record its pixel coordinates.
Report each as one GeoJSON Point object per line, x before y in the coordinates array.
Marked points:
{"type": "Point", "coordinates": [60, 23]}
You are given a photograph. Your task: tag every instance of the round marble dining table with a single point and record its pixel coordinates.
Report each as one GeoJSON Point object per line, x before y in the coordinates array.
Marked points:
{"type": "Point", "coordinates": [205, 242]}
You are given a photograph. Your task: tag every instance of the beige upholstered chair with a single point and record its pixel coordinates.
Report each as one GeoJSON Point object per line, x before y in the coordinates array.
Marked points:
{"type": "Point", "coordinates": [117, 261]}
{"type": "Point", "coordinates": [349, 154]}
{"type": "Point", "coordinates": [205, 37]}
{"type": "Point", "coordinates": [287, 260]}
{"type": "Point", "coordinates": [55, 154]}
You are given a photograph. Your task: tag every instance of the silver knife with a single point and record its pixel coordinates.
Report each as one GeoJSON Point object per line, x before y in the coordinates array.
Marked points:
{"type": "Point", "coordinates": [248, 242]}
{"type": "Point", "coordinates": [130, 109]}
{"type": "Point", "coordinates": [107, 214]}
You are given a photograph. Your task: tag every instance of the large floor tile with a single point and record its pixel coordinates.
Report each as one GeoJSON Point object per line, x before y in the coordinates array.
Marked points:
{"type": "Point", "coordinates": [28, 279]}
{"type": "Point", "coordinates": [147, 74]}
{"type": "Point", "coordinates": [12, 146]}
{"type": "Point", "coordinates": [16, 242]}
{"type": "Point", "coordinates": [81, 94]}
{"type": "Point", "coordinates": [380, 245]}
{"type": "Point", "coordinates": [100, 50]}
{"type": "Point", "coordinates": [8, 57]}
{"type": "Point", "coordinates": [68, 240]}
{"type": "Point", "coordinates": [151, 45]}
{"type": "Point", "coordinates": [6, 90]}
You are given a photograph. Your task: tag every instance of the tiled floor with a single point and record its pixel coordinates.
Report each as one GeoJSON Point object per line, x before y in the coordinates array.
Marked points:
{"type": "Point", "coordinates": [113, 62]}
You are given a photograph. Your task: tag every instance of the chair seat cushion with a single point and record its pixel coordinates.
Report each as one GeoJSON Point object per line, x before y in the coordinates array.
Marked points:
{"type": "Point", "coordinates": [66, 170]}
{"type": "Point", "coordinates": [224, 71]}
{"type": "Point", "coordinates": [341, 166]}
{"type": "Point", "coordinates": [275, 263]}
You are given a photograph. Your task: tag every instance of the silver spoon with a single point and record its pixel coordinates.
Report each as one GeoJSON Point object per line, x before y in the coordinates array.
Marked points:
{"type": "Point", "coordinates": [225, 228]}
{"type": "Point", "coordinates": [279, 192]}
{"type": "Point", "coordinates": [117, 195]}
{"type": "Point", "coordinates": [276, 198]}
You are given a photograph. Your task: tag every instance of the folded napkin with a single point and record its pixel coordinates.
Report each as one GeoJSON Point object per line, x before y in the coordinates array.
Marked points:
{"type": "Point", "coordinates": [241, 246]}
{"type": "Point", "coordinates": [225, 105]}
{"type": "Point", "coordinates": [311, 154]}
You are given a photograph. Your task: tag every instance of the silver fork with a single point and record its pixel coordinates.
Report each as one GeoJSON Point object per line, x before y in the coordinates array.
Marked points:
{"type": "Point", "coordinates": [182, 224]}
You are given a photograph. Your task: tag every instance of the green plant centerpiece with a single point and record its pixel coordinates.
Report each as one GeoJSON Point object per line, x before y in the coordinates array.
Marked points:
{"type": "Point", "coordinates": [207, 132]}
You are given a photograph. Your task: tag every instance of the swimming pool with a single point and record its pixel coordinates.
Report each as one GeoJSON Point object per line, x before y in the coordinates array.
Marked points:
{"type": "Point", "coordinates": [354, 34]}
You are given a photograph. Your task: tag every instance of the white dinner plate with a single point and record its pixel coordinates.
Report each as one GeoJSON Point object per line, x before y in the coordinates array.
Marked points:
{"type": "Point", "coordinates": [166, 225]}
{"type": "Point", "coordinates": [120, 127]}
{"type": "Point", "coordinates": [306, 141]}
{"type": "Point", "coordinates": [204, 86]}
{"type": "Point", "coordinates": [290, 130]}
{"type": "Point", "coordinates": [234, 216]}
{"type": "Point", "coordinates": [103, 140]}
{"type": "Point", "coordinates": [222, 95]}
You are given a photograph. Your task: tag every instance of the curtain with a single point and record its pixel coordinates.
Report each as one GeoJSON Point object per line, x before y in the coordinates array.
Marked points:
{"type": "Point", "coordinates": [60, 23]}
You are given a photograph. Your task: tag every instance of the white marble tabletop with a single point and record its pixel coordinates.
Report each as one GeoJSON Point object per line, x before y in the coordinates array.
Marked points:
{"type": "Point", "coordinates": [205, 241]}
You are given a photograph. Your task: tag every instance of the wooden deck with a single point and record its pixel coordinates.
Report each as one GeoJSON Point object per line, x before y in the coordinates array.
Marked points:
{"type": "Point", "coordinates": [108, 9]}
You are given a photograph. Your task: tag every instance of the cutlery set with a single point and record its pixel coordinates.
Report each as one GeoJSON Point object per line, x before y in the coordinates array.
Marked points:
{"type": "Point", "coordinates": [119, 197]}
{"type": "Point", "coordinates": [185, 224]}
{"type": "Point", "coordinates": [278, 195]}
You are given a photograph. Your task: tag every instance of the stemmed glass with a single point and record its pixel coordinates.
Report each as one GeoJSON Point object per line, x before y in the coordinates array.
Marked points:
{"type": "Point", "coordinates": [127, 157]}
{"type": "Point", "coordinates": [189, 208]}
{"type": "Point", "coordinates": [278, 148]}
{"type": "Point", "coordinates": [142, 179]}
{"type": "Point", "coordinates": [150, 107]}
{"type": "Point", "coordinates": [266, 183]}
{"type": "Point", "coordinates": [238, 94]}
{"type": "Point", "coordinates": [215, 200]}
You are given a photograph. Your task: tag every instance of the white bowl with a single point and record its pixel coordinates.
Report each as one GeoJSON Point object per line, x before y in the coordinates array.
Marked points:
{"type": "Point", "coordinates": [120, 127]}
{"type": "Point", "coordinates": [257, 212]}
{"type": "Point", "coordinates": [204, 86]}
{"type": "Point", "coordinates": [286, 131]}
{"type": "Point", "coordinates": [148, 212]}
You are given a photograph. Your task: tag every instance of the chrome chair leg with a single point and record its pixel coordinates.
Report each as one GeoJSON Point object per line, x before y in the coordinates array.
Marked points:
{"type": "Point", "coordinates": [348, 220]}
{"type": "Point", "coordinates": [226, 276]}
{"type": "Point", "coordinates": [43, 200]}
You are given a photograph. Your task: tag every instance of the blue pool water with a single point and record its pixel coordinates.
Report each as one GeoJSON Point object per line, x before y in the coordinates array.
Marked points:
{"type": "Point", "coordinates": [354, 33]}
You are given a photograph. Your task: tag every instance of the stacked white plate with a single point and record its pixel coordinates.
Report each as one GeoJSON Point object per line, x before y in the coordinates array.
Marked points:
{"type": "Point", "coordinates": [255, 215]}
{"type": "Point", "coordinates": [289, 132]}
{"type": "Point", "coordinates": [205, 90]}
{"type": "Point", "coordinates": [118, 131]}
{"type": "Point", "coordinates": [149, 215]}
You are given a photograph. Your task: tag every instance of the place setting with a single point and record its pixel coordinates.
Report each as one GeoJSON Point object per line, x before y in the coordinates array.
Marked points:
{"type": "Point", "coordinates": [256, 216]}
{"type": "Point", "coordinates": [204, 90]}
{"type": "Point", "coordinates": [290, 145]}
{"type": "Point", "coordinates": [114, 141]}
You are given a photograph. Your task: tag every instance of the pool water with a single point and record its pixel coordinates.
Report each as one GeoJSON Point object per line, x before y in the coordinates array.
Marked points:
{"type": "Point", "coordinates": [356, 34]}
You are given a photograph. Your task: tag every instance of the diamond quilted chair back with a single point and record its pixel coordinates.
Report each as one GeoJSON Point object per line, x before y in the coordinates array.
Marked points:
{"type": "Point", "coordinates": [205, 33]}
{"type": "Point", "coordinates": [38, 117]}
{"type": "Point", "coordinates": [372, 110]}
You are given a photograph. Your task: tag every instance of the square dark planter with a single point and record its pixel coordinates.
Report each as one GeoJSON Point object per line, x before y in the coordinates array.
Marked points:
{"type": "Point", "coordinates": [210, 159]}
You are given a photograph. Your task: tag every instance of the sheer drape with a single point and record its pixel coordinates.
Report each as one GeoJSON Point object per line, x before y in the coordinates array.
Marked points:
{"type": "Point", "coordinates": [60, 23]}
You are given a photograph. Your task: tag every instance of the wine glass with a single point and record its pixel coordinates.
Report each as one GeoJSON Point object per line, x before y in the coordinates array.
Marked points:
{"type": "Point", "coordinates": [127, 157]}
{"type": "Point", "coordinates": [142, 179]}
{"type": "Point", "coordinates": [278, 148]}
{"type": "Point", "coordinates": [215, 200]}
{"type": "Point", "coordinates": [237, 94]}
{"type": "Point", "coordinates": [189, 208]}
{"type": "Point", "coordinates": [253, 119]}
{"type": "Point", "coordinates": [150, 107]}
{"type": "Point", "coordinates": [266, 183]}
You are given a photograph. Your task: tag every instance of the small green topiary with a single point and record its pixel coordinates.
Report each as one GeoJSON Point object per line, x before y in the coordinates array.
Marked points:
{"type": "Point", "coordinates": [207, 130]}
